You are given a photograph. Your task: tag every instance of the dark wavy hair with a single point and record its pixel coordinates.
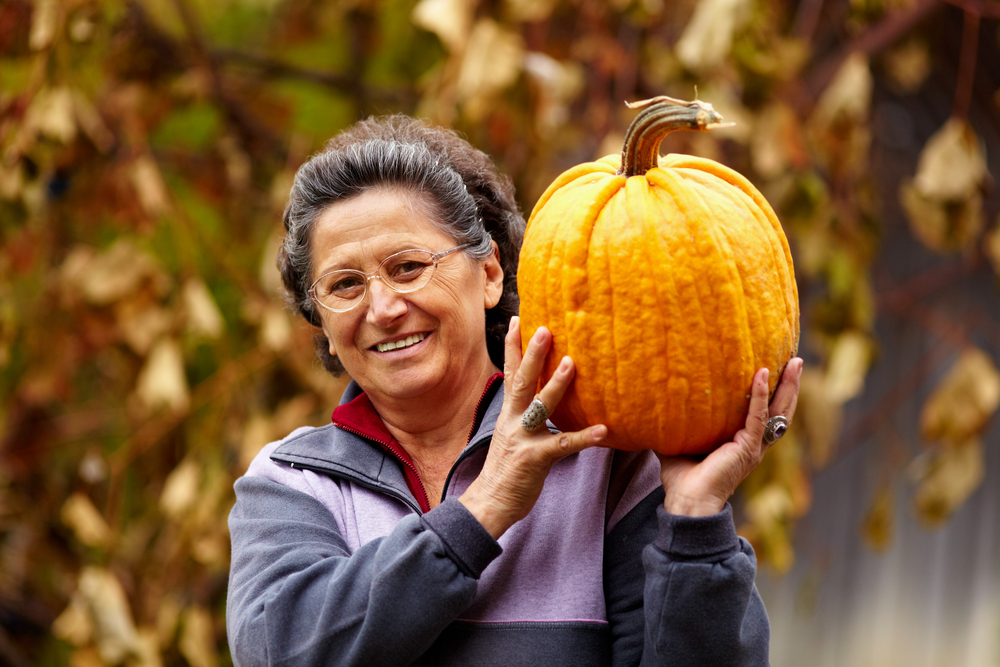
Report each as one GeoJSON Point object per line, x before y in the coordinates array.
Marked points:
{"type": "Point", "coordinates": [470, 199]}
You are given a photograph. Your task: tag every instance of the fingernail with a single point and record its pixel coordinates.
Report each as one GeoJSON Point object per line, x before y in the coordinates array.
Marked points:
{"type": "Point", "coordinates": [564, 364]}
{"type": "Point", "coordinates": [766, 375]}
{"type": "Point", "coordinates": [598, 432]}
{"type": "Point", "coordinates": [537, 337]}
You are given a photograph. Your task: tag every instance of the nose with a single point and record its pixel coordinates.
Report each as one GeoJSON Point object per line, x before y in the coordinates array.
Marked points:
{"type": "Point", "coordinates": [384, 305]}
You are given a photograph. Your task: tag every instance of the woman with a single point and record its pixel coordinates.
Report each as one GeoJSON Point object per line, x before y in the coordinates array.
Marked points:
{"type": "Point", "coordinates": [432, 523]}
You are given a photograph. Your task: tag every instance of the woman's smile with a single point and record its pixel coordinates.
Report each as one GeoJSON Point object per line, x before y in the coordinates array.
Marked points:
{"type": "Point", "coordinates": [401, 343]}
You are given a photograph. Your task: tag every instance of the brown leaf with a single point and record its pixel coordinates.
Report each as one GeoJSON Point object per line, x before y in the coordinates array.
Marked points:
{"type": "Point", "coordinates": [819, 415]}
{"type": "Point", "coordinates": [492, 62]}
{"type": "Point", "coordinates": [991, 247]}
{"type": "Point", "coordinates": [203, 317]}
{"type": "Point", "coordinates": [847, 366]}
{"type": "Point", "coordinates": [44, 21]}
{"type": "Point", "coordinates": [949, 478]}
{"type": "Point", "coordinates": [109, 276]}
{"type": "Point", "coordinates": [528, 11]}
{"type": "Point", "coordinates": [181, 489]}
{"type": "Point", "coordinates": [149, 186]}
{"type": "Point", "coordinates": [51, 113]}
{"type": "Point", "coordinates": [109, 611]}
{"type": "Point", "coordinates": [776, 141]}
{"type": "Point", "coordinates": [848, 97]}
{"type": "Point", "coordinates": [964, 401]}
{"type": "Point", "coordinates": [942, 226]}
{"type": "Point", "coordinates": [908, 65]}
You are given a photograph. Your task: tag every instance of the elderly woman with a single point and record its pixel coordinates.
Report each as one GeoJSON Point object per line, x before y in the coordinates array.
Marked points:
{"type": "Point", "coordinates": [432, 523]}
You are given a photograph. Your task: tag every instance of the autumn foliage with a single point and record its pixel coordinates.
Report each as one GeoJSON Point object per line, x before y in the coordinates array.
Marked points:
{"type": "Point", "coordinates": [146, 150]}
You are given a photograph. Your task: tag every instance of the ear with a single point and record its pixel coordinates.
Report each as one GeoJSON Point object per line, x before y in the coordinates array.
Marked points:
{"type": "Point", "coordinates": [329, 338]}
{"type": "Point", "coordinates": [493, 286]}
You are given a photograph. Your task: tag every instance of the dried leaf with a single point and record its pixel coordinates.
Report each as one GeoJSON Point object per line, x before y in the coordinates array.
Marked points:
{"type": "Point", "coordinates": [951, 476]}
{"type": "Point", "coordinates": [908, 65]}
{"type": "Point", "coordinates": [51, 113]}
{"type": "Point", "coordinates": [708, 37]}
{"type": "Point", "coordinates": [964, 401]}
{"type": "Point", "coordinates": [44, 21]}
{"type": "Point", "coordinates": [819, 415]}
{"type": "Point", "coordinates": [879, 522]}
{"type": "Point", "coordinates": [952, 164]}
{"type": "Point", "coordinates": [771, 505]}
{"type": "Point", "coordinates": [275, 328]}
{"type": "Point", "coordinates": [149, 186]}
{"type": "Point", "coordinates": [11, 181]}
{"type": "Point", "coordinates": [106, 277]}
{"type": "Point", "coordinates": [92, 124]}
{"type": "Point", "coordinates": [558, 84]}
{"type": "Point", "coordinates": [181, 490]}
{"type": "Point", "coordinates": [942, 226]}
{"type": "Point", "coordinates": [147, 650]}
{"type": "Point", "coordinates": [450, 20]}
{"type": "Point", "coordinates": [991, 247]}
{"type": "Point", "coordinates": [142, 323]}
{"type": "Point", "coordinates": [107, 605]}
{"type": "Point", "coordinates": [492, 62]}
{"type": "Point", "coordinates": [776, 141]}
{"type": "Point", "coordinates": [74, 625]}
{"type": "Point", "coordinates": [528, 11]}
{"type": "Point", "coordinates": [197, 640]}
{"type": "Point", "coordinates": [86, 522]}
{"type": "Point", "coordinates": [848, 97]}
{"type": "Point", "coordinates": [162, 381]}
{"type": "Point", "coordinates": [203, 316]}
{"type": "Point", "coordinates": [848, 366]}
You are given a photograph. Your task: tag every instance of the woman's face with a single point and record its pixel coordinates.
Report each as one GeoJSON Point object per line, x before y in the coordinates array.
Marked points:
{"type": "Point", "coordinates": [447, 316]}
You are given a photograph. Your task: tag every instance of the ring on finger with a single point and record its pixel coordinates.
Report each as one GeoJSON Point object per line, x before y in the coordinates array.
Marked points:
{"type": "Point", "coordinates": [775, 427]}
{"type": "Point", "coordinates": [534, 417]}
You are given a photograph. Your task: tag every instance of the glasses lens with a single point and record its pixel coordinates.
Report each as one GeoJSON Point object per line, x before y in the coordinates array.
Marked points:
{"type": "Point", "coordinates": [340, 290]}
{"type": "Point", "coordinates": [407, 271]}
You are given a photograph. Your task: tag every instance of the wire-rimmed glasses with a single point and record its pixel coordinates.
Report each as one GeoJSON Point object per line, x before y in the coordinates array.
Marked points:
{"type": "Point", "coordinates": [403, 272]}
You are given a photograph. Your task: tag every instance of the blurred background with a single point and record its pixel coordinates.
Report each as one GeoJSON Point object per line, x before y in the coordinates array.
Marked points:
{"type": "Point", "coordinates": [146, 151]}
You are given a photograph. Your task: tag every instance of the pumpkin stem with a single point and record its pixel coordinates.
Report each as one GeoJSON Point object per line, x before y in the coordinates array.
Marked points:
{"type": "Point", "coordinates": [658, 117]}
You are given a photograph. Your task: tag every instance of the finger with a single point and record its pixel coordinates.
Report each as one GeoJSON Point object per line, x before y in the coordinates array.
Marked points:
{"type": "Point", "coordinates": [554, 390]}
{"type": "Point", "coordinates": [526, 378]}
{"type": "Point", "coordinates": [786, 396]}
{"type": "Point", "coordinates": [512, 349]}
{"type": "Point", "coordinates": [757, 415]}
{"type": "Point", "coordinates": [563, 444]}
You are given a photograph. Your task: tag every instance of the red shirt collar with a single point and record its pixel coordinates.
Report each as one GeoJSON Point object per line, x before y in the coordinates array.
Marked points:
{"type": "Point", "coordinates": [360, 417]}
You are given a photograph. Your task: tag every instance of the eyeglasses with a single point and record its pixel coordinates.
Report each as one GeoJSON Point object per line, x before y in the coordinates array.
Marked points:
{"type": "Point", "coordinates": [403, 272]}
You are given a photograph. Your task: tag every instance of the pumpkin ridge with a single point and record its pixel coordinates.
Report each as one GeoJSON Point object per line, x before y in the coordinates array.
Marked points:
{"type": "Point", "coordinates": [565, 178]}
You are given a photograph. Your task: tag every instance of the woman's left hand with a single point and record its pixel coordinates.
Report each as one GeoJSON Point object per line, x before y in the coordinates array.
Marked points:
{"type": "Point", "coordinates": [702, 487]}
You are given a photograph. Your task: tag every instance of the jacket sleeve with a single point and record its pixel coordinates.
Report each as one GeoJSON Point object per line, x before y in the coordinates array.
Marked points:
{"type": "Point", "coordinates": [680, 591]}
{"type": "Point", "coordinates": [298, 597]}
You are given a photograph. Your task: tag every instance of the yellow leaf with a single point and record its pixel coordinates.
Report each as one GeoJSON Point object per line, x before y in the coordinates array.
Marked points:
{"type": "Point", "coordinates": [197, 640]}
{"type": "Point", "coordinates": [951, 476]}
{"type": "Point", "coordinates": [952, 164]}
{"type": "Point", "coordinates": [109, 611]}
{"type": "Point", "coordinates": [203, 316]}
{"type": "Point", "coordinates": [771, 505]}
{"type": "Point", "coordinates": [847, 366]}
{"type": "Point", "coordinates": [908, 65]}
{"type": "Point", "coordinates": [180, 490]}
{"type": "Point", "coordinates": [450, 20]}
{"type": "Point", "coordinates": [492, 62]}
{"type": "Point", "coordinates": [964, 401]}
{"type": "Point", "coordinates": [878, 526]}
{"type": "Point", "coordinates": [162, 381]}
{"type": "Point", "coordinates": [708, 37]}
{"type": "Point", "coordinates": [86, 522]}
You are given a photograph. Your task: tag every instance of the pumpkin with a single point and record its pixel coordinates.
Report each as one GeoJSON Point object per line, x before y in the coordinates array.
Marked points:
{"type": "Point", "coordinates": [669, 281]}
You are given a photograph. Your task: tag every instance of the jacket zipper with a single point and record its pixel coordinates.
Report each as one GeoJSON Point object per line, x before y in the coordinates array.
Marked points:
{"type": "Point", "coordinates": [337, 473]}
{"type": "Point", "coordinates": [409, 466]}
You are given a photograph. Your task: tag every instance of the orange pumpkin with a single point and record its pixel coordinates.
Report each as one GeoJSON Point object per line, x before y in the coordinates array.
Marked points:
{"type": "Point", "coordinates": [669, 282]}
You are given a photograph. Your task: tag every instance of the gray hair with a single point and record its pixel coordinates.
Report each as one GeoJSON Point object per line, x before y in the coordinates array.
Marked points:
{"type": "Point", "coordinates": [471, 201]}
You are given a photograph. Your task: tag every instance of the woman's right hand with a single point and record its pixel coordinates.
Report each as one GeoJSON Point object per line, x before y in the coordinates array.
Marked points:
{"type": "Point", "coordinates": [519, 460]}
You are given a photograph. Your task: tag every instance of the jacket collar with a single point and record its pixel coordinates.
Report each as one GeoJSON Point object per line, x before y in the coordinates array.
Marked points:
{"type": "Point", "coordinates": [357, 444]}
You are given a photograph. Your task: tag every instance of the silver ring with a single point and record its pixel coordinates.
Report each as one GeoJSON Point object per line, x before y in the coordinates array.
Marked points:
{"type": "Point", "coordinates": [774, 429]}
{"type": "Point", "coordinates": [534, 417]}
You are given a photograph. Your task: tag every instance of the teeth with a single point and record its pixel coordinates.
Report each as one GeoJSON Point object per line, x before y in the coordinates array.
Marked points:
{"type": "Point", "coordinates": [395, 345]}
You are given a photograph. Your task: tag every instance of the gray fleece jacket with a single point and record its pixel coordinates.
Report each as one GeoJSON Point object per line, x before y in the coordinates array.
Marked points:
{"type": "Point", "coordinates": [334, 562]}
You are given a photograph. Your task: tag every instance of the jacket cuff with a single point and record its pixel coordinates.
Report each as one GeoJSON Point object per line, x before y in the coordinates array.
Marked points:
{"type": "Point", "coordinates": [465, 540]}
{"type": "Point", "coordinates": [697, 539]}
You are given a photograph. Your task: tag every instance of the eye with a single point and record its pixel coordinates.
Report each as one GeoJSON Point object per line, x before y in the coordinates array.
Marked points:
{"type": "Point", "coordinates": [406, 270]}
{"type": "Point", "coordinates": [343, 285]}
